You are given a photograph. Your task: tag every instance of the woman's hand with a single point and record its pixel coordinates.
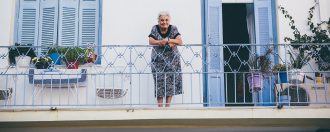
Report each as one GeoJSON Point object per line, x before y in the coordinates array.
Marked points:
{"type": "Point", "coordinates": [163, 42]}
{"type": "Point", "coordinates": [172, 45]}
{"type": "Point", "coordinates": [153, 41]}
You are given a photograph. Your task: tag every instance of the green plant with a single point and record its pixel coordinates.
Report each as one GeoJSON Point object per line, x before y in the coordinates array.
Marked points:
{"type": "Point", "coordinates": [279, 68]}
{"type": "Point", "coordinates": [74, 54]}
{"type": "Point", "coordinates": [261, 63]}
{"type": "Point", "coordinates": [44, 60]}
{"type": "Point", "coordinates": [54, 50]}
{"type": "Point", "coordinates": [319, 34]}
{"type": "Point", "coordinates": [90, 56]}
{"type": "Point", "coordinates": [299, 60]}
{"type": "Point", "coordinates": [18, 50]}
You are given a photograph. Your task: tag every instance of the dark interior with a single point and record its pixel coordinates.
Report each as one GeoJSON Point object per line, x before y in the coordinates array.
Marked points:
{"type": "Point", "coordinates": [235, 32]}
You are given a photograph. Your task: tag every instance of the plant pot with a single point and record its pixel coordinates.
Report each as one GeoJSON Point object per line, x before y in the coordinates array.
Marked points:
{"type": "Point", "coordinates": [23, 61]}
{"type": "Point", "coordinates": [56, 58]}
{"type": "Point", "coordinates": [296, 77]}
{"type": "Point", "coordinates": [91, 58]}
{"type": "Point", "coordinates": [72, 65]}
{"type": "Point", "coordinates": [319, 78]}
{"type": "Point", "coordinates": [255, 82]}
{"type": "Point", "coordinates": [283, 77]}
{"type": "Point", "coordinates": [40, 65]}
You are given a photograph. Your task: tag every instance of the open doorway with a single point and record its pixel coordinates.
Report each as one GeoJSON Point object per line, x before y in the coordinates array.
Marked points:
{"type": "Point", "coordinates": [238, 29]}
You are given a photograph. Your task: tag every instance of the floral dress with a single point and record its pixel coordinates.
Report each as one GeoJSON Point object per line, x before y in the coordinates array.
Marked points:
{"type": "Point", "coordinates": [165, 64]}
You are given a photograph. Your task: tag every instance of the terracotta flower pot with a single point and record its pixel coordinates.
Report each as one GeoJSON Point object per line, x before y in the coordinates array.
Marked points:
{"type": "Point", "coordinates": [72, 65]}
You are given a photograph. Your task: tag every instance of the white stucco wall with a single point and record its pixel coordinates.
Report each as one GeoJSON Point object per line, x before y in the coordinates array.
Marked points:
{"type": "Point", "coordinates": [298, 9]}
{"type": "Point", "coordinates": [130, 21]}
{"type": "Point", "coordinates": [127, 22]}
{"type": "Point", "coordinates": [324, 10]}
{"type": "Point", "coordinates": [7, 13]}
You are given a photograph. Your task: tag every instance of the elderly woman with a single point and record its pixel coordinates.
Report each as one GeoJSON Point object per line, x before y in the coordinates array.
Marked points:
{"type": "Point", "coordinates": [165, 57]}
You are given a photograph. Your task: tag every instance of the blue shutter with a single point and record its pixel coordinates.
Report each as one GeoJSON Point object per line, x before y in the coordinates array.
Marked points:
{"type": "Point", "coordinates": [88, 22]}
{"type": "Point", "coordinates": [48, 24]}
{"type": "Point", "coordinates": [215, 82]}
{"type": "Point", "coordinates": [68, 23]}
{"type": "Point", "coordinates": [263, 21]}
{"type": "Point", "coordinates": [28, 22]}
{"type": "Point", "coordinates": [264, 36]}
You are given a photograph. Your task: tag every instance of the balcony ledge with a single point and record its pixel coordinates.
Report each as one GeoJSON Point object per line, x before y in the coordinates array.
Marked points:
{"type": "Point", "coordinates": [169, 117]}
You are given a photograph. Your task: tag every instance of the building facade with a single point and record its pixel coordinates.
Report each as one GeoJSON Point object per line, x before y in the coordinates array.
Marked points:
{"type": "Point", "coordinates": [221, 36]}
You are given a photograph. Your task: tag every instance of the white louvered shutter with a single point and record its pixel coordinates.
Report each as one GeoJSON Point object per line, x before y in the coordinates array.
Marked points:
{"type": "Point", "coordinates": [28, 22]}
{"type": "Point", "coordinates": [264, 36]}
{"type": "Point", "coordinates": [68, 23]}
{"type": "Point", "coordinates": [215, 82]}
{"type": "Point", "coordinates": [263, 21]}
{"type": "Point", "coordinates": [48, 24]}
{"type": "Point", "coordinates": [88, 22]}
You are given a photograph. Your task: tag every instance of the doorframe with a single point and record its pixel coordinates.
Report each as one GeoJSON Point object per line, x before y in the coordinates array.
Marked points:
{"type": "Point", "coordinates": [204, 13]}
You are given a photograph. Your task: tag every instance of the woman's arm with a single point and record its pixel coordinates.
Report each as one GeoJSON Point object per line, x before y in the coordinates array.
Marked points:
{"type": "Point", "coordinates": [153, 41]}
{"type": "Point", "coordinates": [176, 41]}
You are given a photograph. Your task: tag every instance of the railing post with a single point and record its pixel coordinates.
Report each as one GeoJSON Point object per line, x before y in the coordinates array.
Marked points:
{"type": "Point", "coordinates": [130, 73]}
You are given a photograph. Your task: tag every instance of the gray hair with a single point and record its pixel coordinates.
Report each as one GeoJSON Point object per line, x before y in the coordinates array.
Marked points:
{"type": "Point", "coordinates": [163, 13]}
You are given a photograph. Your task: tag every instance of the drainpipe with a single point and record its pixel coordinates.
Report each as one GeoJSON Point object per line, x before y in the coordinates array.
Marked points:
{"type": "Point", "coordinates": [275, 29]}
{"type": "Point", "coordinates": [318, 10]}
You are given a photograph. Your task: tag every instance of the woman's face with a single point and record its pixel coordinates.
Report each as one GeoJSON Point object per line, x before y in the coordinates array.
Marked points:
{"type": "Point", "coordinates": [164, 21]}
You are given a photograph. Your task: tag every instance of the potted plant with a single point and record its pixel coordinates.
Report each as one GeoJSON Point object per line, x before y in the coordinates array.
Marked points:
{"type": "Point", "coordinates": [313, 41]}
{"type": "Point", "coordinates": [42, 62]}
{"type": "Point", "coordinates": [281, 71]}
{"type": "Point", "coordinates": [55, 54]}
{"type": "Point", "coordinates": [259, 67]}
{"type": "Point", "coordinates": [298, 60]}
{"type": "Point", "coordinates": [21, 54]}
{"type": "Point", "coordinates": [73, 57]}
{"type": "Point", "coordinates": [90, 55]}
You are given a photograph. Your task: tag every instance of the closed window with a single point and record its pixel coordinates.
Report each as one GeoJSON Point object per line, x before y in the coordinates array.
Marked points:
{"type": "Point", "coordinates": [58, 22]}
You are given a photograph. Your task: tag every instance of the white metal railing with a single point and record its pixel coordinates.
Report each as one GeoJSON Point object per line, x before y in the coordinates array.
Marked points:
{"type": "Point", "coordinates": [121, 76]}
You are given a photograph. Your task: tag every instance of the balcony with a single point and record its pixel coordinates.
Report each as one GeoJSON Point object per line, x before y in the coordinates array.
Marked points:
{"type": "Point", "coordinates": [221, 78]}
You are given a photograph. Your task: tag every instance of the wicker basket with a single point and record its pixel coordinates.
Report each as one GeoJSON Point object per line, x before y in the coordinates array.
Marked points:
{"type": "Point", "coordinates": [110, 93]}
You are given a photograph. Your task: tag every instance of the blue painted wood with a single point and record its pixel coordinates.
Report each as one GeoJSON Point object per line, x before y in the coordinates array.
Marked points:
{"type": "Point", "coordinates": [88, 22]}
{"type": "Point", "coordinates": [264, 37]}
{"type": "Point", "coordinates": [215, 81]}
{"type": "Point", "coordinates": [68, 23]}
{"type": "Point", "coordinates": [28, 22]}
{"type": "Point", "coordinates": [63, 81]}
{"type": "Point", "coordinates": [47, 24]}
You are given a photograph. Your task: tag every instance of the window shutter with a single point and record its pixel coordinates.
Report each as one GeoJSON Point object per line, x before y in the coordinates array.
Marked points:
{"type": "Point", "coordinates": [48, 24]}
{"type": "Point", "coordinates": [28, 22]}
{"type": "Point", "coordinates": [263, 21]}
{"type": "Point", "coordinates": [215, 85]}
{"type": "Point", "coordinates": [68, 23]}
{"type": "Point", "coordinates": [264, 36]}
{"type": "Point", "coordinates": [88, 22]}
